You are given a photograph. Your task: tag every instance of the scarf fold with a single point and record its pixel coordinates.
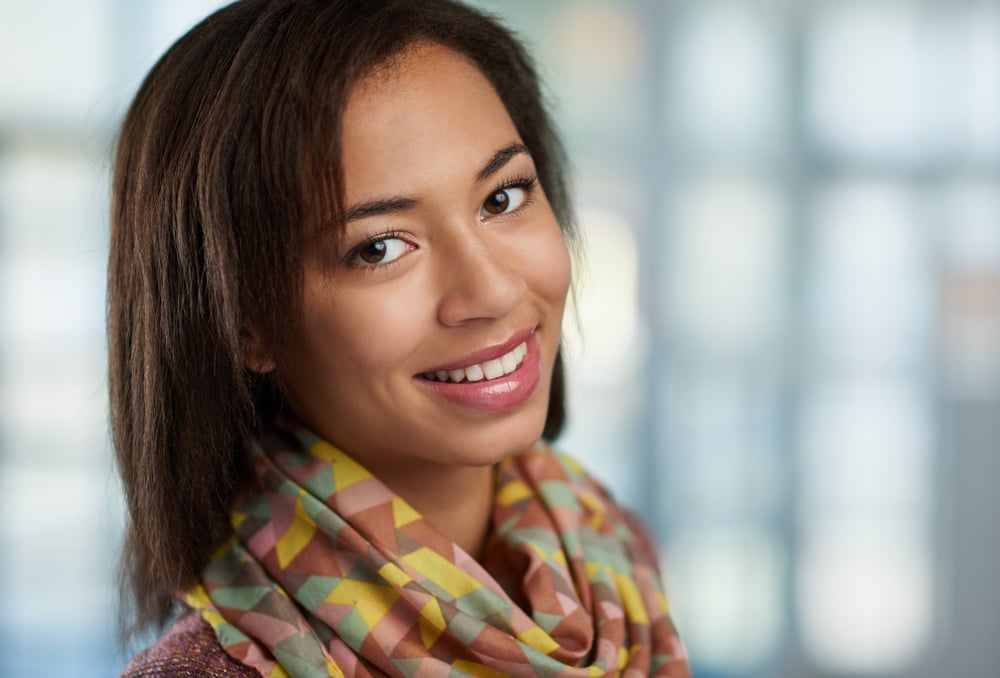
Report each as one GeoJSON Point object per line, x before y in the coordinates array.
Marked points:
{"type": "Point", "coordinates": [329, 573]}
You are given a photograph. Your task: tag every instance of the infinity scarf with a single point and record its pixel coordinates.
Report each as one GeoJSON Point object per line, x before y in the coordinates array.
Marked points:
{"type": "Point", "coordinates": [329, 573]}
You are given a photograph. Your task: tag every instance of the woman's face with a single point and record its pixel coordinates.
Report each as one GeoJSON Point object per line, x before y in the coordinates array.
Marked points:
{"type": "Point", "coordinates": [429, 339]}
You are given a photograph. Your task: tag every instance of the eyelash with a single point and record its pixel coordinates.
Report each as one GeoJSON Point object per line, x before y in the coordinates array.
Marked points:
{"type": "Point", "coordinates": [355, 251]}
{"type": "Point", "coordinates": [526, 182]}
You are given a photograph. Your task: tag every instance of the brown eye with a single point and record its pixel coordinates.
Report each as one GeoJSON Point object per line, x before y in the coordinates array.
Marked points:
{"type": "Point", "coordinates": [373, 252]}
{"type": "Point", "coordinates": [381, 250]}
{"type": "Point", "coordinates": [504, 201]}
{"type": "Point", "coordinates": [497, 203]}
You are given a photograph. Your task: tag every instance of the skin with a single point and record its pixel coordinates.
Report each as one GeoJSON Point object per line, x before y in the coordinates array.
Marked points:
{"type": "Point", "coordinates": [454, 278]}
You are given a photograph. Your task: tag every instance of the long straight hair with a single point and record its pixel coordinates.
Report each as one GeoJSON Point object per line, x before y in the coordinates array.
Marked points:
{"type": "Point", "coordinates": [227, 161]}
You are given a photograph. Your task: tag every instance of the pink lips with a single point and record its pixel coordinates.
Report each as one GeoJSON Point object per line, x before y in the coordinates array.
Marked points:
{"type": "Point", "coordinates": [498, 394]}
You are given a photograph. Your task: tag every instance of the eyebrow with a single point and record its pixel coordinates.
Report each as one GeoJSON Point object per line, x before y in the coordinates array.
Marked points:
{"type": "Point", "coordinates": [499, 159]}
{"type": "Point", "coordinates": [378, 207]}
{"type": "Point", "coordinates": [374, 208]}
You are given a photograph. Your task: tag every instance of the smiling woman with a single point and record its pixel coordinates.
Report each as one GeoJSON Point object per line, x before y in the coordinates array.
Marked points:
{"type": "Point", "coordinates": [450, 262]}
{"type": "Point", "coordinates": [338, 271]}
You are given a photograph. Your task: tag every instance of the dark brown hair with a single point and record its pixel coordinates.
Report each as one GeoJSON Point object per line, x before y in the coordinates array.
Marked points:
{"type": "Point", "coordinates": [227, 160]}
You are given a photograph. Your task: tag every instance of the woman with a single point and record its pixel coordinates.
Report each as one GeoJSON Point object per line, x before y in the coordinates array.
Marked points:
{"type": "Point", "coordinates": [337, 279]}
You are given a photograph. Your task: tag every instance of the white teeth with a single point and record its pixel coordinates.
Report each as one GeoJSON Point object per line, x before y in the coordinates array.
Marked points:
{"type": "Point", "coordinates": [508, 363]}
{"type": "Point", "coordinates": [491, 369]}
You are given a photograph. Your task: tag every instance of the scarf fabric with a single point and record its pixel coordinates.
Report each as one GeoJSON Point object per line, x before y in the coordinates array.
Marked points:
{"type": "Point", "coordinates": [329, 573]}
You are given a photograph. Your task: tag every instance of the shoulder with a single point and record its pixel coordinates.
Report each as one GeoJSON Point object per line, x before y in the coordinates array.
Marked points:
{"type": "Point", "coordinates": [188, 649]}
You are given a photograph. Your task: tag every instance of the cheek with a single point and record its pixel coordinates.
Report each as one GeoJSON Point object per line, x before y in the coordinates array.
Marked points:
{"type": "Point", "coordinates": [547, 266]}
{"type": "Point", "coordinates": [562, 269]}
{"type": "Point", "coordinates": [368, 329]}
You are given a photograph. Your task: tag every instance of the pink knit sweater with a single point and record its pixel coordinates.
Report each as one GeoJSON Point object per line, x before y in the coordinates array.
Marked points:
{"type": "Point", "coordinates": [188, 649]}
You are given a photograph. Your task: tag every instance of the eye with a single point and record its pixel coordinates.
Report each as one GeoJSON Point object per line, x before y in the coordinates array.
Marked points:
{"type": "Point", "coordinates": [381, 249]}
{"type": "Point", "coordinates": [503, 201]}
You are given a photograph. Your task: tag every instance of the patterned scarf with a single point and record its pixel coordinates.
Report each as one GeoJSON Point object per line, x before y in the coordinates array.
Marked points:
{"type": "Point", "coordinates": [329, 573]}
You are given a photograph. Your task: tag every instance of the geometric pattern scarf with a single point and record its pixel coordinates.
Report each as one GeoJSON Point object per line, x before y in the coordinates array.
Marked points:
{"type": "Point", "coordinates": [329, 573]}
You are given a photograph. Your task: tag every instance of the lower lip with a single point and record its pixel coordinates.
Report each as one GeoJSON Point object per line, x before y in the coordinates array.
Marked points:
{"type": "Point", "coordinates": [494, 395]}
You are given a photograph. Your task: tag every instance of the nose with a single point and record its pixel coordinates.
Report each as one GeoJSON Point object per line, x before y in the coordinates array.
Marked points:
{"type": "Point", "coordinates": [479, 283]}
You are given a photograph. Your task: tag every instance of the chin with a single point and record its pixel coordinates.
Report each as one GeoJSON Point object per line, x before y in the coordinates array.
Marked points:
{"type": "Point", "coordinates": [511, 439]}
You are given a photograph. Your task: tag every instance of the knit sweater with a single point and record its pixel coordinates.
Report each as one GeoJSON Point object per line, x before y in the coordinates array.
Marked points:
{"type": "Point", "coordinates": [188, 649]}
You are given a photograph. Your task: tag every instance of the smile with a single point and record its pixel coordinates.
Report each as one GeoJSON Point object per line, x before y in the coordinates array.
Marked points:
{"type": "Point", "coordinates": [492, 379]}
{"type": "Point", "coordinates": [491, 369]}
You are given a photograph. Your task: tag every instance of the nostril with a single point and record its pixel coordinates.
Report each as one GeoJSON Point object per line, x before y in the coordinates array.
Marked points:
{"type": "Point", "coordinates": [480, 290]}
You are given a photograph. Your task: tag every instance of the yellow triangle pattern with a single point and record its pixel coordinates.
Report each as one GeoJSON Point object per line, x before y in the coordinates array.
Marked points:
{"type": "Point", "coordinates": [333, 670]}
{"type": "Point", "coordinates": [593, 568]}
{"type": "Point", "coordinates": [346, 471]}
{"type": "Point", "coordinates": [538, 639]}
{"type": "Point", "coordinates": [198, 599]}
{"type": "Point", "coordinates": [596, 509]}
{"type": "Point", "coordinates": [298, 535]}
{"type": "Point", "coordinates": [372, 601]}
{"type": "Point", "coordinates": [403, 513]}
{"type": "Point", "coordinates": [513, 492]}
{"type": "Point", "coordinates": [383, 608]}
{"type": "Point", "coordinates": [434, 567]}
{"type": "Point", "coordinates": [477, 669]}
{"type": "Point", "coordinates": [432, 623]}
{"type": "Point", "coordinates": [237, 518]}
{"type": "Point", "coordinates": [635, 609]}
{"type": "Point", "coordinates": [393, 574]}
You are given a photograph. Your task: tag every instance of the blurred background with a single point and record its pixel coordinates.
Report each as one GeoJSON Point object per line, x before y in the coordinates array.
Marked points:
{"type": "Point", "coordinates": [788, 348]}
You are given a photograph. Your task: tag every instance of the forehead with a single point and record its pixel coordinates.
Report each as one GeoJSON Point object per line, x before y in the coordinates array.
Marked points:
{"type": "Point", "coordinates": [427, 112]}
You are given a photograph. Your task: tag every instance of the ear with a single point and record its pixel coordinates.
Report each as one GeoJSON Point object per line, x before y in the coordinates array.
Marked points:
{"type": "Point", "coordinates": [256, 357]}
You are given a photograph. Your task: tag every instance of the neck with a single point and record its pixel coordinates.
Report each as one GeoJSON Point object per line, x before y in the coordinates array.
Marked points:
{"type": "Point", "coordinates": [456, 500]}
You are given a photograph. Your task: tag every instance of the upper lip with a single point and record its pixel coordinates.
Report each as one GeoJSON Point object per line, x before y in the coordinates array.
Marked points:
{"type": "Point", "coordinates": [488, 353]}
